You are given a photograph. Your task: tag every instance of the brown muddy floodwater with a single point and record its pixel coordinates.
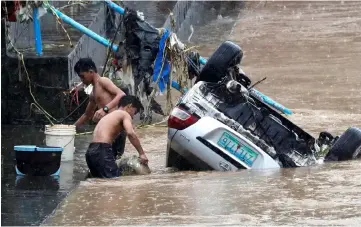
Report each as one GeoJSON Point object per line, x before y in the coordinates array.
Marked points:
{"type": "Point", "coordinates": [310, 53]}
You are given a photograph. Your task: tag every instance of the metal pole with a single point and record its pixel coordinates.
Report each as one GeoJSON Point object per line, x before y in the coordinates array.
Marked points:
{"type": "Point", "coordinates": [202, 60]}
{"type": "Point", "coordinates": [84, 30]}
{"type": "Point", "coordinates": [271, 102]}
{"type": "Point", "coordinates": [37, 32]}
{"type": "Point", "coordinates": [114, 6]}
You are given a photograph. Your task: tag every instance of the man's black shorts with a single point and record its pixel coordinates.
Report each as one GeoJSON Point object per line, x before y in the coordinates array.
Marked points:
{"type": "Point", "coordinates": [101, 161]}
{"type": "Point", "coordinates": [119, 144]}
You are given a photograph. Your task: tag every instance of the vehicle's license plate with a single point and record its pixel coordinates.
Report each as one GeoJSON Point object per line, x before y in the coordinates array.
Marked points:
{"type": "Point", "coordinates": [235, 147]}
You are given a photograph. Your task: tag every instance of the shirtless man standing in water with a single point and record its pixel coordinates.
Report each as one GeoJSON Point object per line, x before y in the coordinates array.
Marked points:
{"type": "Point", "coordinates": [105, 96]}
{"type": "Point", "coordinates": [100, 156]}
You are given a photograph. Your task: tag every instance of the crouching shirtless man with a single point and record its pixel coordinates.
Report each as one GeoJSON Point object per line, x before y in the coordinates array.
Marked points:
{"type": "Point", "coordinates": [100, 157]}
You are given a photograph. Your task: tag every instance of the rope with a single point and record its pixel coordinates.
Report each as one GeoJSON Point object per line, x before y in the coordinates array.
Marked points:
{"type": "Point", "coordinates": [71, 4]}
{"type": "Point", "coordinates": [169, 105]}
{"type": "Point", "coordinates": [48, 6]}
{"type": "Point", "coordinates": [21, 58]}
{"type": "Point", "coordinates": [47, 115]}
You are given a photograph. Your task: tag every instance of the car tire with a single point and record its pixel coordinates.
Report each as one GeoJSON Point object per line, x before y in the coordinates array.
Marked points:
{"type": "Point", "coordinates": [347, 147]}
{"type": "Point", "coordinates": [227, 55]}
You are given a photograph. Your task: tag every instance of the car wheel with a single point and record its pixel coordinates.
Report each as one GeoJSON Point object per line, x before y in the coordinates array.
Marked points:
{"type": "Point", "coordinates": [347, 147]}
{"type": "Point", "coordinates": [227, 55]}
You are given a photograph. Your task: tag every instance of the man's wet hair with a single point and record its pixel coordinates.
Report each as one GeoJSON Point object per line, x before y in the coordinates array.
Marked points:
{"type": "Point", "coordinates": [85, 65]}
{"type": "Point", "coordinates": [131, 99]}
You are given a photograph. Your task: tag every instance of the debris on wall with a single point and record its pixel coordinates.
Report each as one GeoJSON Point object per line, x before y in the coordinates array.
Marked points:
{"type": "Point", "coordinates": [148, 60]}
{"type": "Point", "coordinates": [25, 11]}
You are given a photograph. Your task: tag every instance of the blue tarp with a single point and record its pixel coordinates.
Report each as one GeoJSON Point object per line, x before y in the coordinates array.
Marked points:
{"type": "Point", "coordinates": [159, 62]}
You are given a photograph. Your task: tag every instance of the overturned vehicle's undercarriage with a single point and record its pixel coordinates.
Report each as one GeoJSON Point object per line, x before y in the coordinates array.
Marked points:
{"type": "Point", "coordinates": [147, 58]}
{"type": "Point", "coordinates": [223, 92]}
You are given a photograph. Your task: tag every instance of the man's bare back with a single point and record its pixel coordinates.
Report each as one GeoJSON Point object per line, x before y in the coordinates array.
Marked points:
{"type": "Point", "coordinates": [100, 156]}
{"type": "Point", "coordinates": [109, 127]}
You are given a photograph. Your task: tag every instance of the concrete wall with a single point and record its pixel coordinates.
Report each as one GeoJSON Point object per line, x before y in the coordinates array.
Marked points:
{"type": "Point", "coordinates": [54, 71]}
{"type": "Point", "coordinates": [56, 43]}
{"type": "Point", "coordinates": [22, 34]}
{"type": "Point", "coordinates": [180, 12]}
{"type": "Point", "coordinates": [201, 16]}
{"type": "Point", "coordinates": [49, 73]}
{"type": "Point", "coordinates": [87, 47]}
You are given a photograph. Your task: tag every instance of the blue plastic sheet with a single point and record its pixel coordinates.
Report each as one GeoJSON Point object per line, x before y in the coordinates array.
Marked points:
{"type": "Point", "coordinates": [165, 70]}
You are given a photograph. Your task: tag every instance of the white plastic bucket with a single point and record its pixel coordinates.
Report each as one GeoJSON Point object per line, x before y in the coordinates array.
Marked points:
{"type": "Point", "coordinates": [61, 136]}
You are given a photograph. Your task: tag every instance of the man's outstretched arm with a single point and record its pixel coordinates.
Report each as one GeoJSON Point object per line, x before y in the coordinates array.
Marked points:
{"type": "Point", "coordinates": [133, 138]}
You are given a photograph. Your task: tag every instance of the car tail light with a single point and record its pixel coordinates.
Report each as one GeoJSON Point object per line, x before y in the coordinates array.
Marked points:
{"type": "Point", "coordinates": [181, 119]}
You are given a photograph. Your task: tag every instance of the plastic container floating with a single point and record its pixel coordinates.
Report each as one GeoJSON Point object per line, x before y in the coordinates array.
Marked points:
{"type": "Point", "coordinates": [61, 136]}
{"type": "Point", "coordinates": [38, 160]}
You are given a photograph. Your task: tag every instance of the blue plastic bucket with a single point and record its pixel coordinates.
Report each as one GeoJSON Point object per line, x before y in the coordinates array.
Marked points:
{"type": "Point", "coordinates": [37, 160]}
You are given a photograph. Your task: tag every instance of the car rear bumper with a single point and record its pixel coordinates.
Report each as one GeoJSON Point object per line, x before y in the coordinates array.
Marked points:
{"type": "Point", "coordinates": [199, 142]}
